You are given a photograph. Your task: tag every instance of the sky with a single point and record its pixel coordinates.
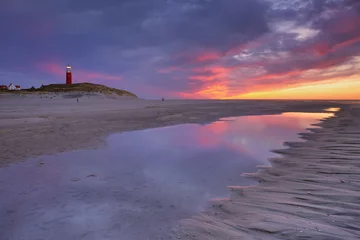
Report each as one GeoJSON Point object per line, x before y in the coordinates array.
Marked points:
{"type": "Point", "coordinates": [196, 49]}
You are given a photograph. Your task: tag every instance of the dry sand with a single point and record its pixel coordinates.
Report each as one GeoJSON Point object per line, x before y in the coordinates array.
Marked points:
{"type": "Point", "coordinates": [310, 193]}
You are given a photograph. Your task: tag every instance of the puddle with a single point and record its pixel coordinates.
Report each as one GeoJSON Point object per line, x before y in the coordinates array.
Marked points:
{"type": "Point", "coordinates": [332, 109]}
{"type": "Point", "coordinates": [142, 182]}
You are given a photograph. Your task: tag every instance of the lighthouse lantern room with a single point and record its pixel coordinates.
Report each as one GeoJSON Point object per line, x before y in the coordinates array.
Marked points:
{"type": "Point", "coordinates": [68, 75]}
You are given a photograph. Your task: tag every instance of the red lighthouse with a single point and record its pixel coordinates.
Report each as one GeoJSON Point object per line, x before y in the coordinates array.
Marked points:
{"type": "Point", "coordinates": [68, 75]}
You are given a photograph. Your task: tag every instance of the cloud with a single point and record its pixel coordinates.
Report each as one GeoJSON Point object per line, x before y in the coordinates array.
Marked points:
{"type": "Point", "coordinates": [191, 48]}
{"type": "Point", "coordinates": [285, 57]}
{"type": "Point", "coordinates": [78, 74]}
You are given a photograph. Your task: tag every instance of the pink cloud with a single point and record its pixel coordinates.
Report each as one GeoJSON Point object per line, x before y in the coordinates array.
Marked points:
{"type": "Point", "coordinates": [52, 68]}
{"type": "Point", "coordinates": [79, 75]}
{"type": "Point", "coordinates": [346, 22]}
{"type": "Point", "coordinates": [207, 56]}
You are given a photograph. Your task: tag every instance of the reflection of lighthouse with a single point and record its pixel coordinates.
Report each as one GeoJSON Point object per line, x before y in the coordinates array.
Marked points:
{"type": "Point", "coordinates": [68, 75]}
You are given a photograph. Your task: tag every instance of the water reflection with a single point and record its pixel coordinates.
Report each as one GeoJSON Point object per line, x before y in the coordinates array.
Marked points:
{"type": "Point", "coordinates": [332, 109]}
{"type": "Point", "coordinates": [142, 182]}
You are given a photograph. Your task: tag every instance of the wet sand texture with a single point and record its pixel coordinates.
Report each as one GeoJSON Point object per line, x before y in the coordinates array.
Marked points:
{"type": "Point", "coordinates": [36, 125]}
{"type": "Point", "coordinates": [311, 192]}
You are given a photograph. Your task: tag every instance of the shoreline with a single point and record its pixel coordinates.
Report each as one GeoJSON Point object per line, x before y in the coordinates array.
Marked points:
{"type": "Point", "coordinates": [32, 126]}
{"type": "Point", "coordinates": [310, 192]}
{"type": "Point", "coordinates": [307, 193]}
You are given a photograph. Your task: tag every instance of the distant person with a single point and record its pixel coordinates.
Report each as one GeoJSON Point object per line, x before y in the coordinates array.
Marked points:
{"type": "Point", "coordinates": [163, 99]}
{"type": "Point", "coordinates": [77, 100]}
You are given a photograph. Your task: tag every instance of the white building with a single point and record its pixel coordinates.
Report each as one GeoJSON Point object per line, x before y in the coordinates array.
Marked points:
{"type": "Point", "coordinates": [14, 87]}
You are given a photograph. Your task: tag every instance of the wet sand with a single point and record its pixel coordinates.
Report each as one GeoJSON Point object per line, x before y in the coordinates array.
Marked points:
{"type": "Point", "coordinates": [34, 125]}
{"type": "Point", "coordinates": [311, 192]}
{"type": "Point", "coordinates": [119, 192]}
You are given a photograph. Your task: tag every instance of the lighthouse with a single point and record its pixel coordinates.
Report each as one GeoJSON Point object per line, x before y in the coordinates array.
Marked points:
{"type": "Point", "coordinates": [68, 75]}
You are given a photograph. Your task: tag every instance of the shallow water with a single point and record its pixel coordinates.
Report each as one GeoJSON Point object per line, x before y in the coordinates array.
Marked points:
{"type": "Point", "coordinates": [142, 182]}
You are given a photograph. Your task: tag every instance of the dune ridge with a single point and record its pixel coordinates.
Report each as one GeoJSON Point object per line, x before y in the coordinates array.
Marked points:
{"type": "Point", "coordinates": [79, 88]}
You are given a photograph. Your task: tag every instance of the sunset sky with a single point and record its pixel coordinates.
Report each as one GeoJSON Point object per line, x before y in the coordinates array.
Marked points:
{"type": "Point", "coordinates": [228, 49]}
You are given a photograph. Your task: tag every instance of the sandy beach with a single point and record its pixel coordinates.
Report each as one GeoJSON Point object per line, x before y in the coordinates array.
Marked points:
{"type": "Point", "coordinates": [311, 192]}
{"type": "Point", "coordinates": [38, 124]}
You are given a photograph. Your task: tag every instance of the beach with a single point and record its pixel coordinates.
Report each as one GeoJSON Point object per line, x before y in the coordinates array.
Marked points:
{"type": "Point", "coordinates": [38, 124]}
{"type": "Point", "coordinates": [310, 192]}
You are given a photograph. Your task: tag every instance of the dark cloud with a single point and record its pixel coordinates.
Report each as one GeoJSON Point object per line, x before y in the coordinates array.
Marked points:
{"type": "Point", "coordinates": [168, 46]}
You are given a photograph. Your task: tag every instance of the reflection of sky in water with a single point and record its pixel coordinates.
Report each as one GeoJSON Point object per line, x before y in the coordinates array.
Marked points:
{"type": "Point", "coordinates": [143, 181]}
{"type": "Point", "coordinates": [332, 109]}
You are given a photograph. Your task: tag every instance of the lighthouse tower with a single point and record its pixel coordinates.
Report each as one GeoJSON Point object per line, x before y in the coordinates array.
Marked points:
{"type": "Point", "coordinates": [68, 75]}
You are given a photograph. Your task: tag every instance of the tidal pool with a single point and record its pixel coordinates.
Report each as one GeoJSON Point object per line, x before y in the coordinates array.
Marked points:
{"type": "Point", "coordinates": [141, 182]}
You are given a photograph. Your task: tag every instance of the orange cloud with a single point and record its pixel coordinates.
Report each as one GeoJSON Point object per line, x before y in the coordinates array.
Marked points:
{"type": "Point", "coordinates": [202, 78]}
{"type": "Point", "coordinates": [217, 83]}
{"type": "Point", "coordinates": [216, 90]}
{"type": "Point", "coordinates": [335, 89]}
{"type": "Point", "coordinates": [215, 80]}
{"type": "Point", "coordinates": [220, 82]}
{"type": "Point", "coordinates": [210, 73]}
